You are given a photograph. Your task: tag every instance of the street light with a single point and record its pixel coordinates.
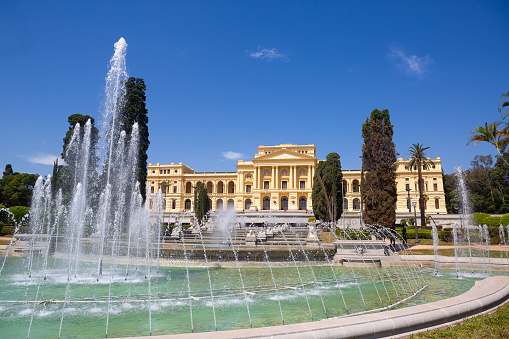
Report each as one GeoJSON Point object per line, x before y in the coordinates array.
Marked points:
{"type": "Point", "coordinates": [408, 189]}
{"type": "Point", "coordinates": [415, 223]}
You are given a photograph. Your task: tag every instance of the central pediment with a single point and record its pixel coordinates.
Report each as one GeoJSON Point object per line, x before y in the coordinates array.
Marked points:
{"type": "Point", "coordinates": [283, 155]}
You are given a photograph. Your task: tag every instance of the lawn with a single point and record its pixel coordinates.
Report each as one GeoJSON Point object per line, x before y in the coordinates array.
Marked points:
{"type": "Point", "coordinates": [493, 325]}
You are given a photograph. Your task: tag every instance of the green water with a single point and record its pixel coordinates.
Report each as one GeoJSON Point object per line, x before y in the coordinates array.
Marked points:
{"type": "Point", "coordinates": [131, 308]}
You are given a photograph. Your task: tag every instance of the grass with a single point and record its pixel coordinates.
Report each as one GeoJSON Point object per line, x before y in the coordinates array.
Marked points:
{"type": "Point", "coordinates": [493, 325]}
{"type": "Point", "coordinates": [428, 242]}
{"type": "Point", "coordinates": [450, 253]}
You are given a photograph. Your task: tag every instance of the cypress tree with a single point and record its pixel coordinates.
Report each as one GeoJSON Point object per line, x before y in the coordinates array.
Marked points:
{"type": "Point", "coordinates": [203, 203]}
{"type": "Point", "coordinates": [378, 182]}
{"type": "Point", "coordinates": [327, 205]}
{"type": "Point", "coordinates": [134, 110]}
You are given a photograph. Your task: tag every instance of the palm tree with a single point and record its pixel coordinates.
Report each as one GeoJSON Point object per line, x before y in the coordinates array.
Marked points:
{"type": "Point", "coordinates": [504, 104]}
{"type": "Point", "coordinates": [419, 161]}
{"type": "Point", "coordinates": [491, 134]}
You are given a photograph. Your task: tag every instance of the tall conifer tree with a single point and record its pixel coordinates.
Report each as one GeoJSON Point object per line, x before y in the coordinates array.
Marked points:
{"type": "Point", "coordinates": [134, 110]}
{"type": "Point", "coordinates": [378, 186]}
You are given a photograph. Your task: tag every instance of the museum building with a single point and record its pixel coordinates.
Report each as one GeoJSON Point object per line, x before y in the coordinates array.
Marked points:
{"type": "Point", "coordinates": [281, 178]}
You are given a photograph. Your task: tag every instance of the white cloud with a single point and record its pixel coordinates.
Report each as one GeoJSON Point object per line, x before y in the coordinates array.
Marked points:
{"type": "Point", "coordinates": [267, 54]}
{"type": "Point", "coordinates": [229, 155]}
{"type": "Point", "coordinates": [411, 64]}
{"type": "Point", "coordinates": [44, 159]}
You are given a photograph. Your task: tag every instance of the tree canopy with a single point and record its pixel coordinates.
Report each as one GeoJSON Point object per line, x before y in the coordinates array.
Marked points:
{"type": "Point", "coordinates": [326, 194]}
{"type": "Point", "coordinates": [16, 188]}
{"type": "Point", "coordinates": [134, 110]}
{"type": "Point", "coordinates": [378, 180]}
{"type": "Point", "coordinates": [419, 161]}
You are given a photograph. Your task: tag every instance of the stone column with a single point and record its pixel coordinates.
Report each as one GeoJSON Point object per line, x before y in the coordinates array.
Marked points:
{"type": "Point", "coordinates": [255, 178]}
{"type": "Point", "coordinates": [292, 182]}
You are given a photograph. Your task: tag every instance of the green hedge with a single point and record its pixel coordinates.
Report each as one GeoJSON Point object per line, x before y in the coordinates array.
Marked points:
{"type": "Point", "coordinates": [410, 233]}
{"type": "Point", "coordinates": [492, 221]}
{"type": "Point", "coordinates": [478, 218]}
{"type": "Point", "coordinates": [504, 220]}
{"type": "Point", "coordinates": [348, 234]}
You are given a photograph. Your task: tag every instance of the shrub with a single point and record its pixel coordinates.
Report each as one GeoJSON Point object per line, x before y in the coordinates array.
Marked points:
{"type": "Point", "coordinates": [423, 234]}
{"type": "Point", "coordinates": [3, 214]}
{"type": "Point", "coordinates": [311, 219]}
{"type": "Point", "coordinates": [402, 222]}
{"type": "Point", "coordinates": [446, 235]}
{"type": "Point", "coordinates": [492, 221]}
{"type": "Point", "coordinates": [411, 221]}
{"type": "Point", "coordinates": [478, 218]}
{"type": "Point", "coordinates": [504, 220]}
{"type": "Point", "coordinates": [18, 212]}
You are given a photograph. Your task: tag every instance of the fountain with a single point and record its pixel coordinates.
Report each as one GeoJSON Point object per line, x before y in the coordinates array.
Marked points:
{"type": "Point", "coordinates": [95, 262]}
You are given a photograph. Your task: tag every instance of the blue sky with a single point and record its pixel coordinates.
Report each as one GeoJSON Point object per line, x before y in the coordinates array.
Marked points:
{"type": "Point", "coordinates": [226, 76]}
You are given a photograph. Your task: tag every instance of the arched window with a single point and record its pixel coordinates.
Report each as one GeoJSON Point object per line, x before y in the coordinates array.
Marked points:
{"type": "Point", "coordinates": [220, 187]}
{"type": "Point", "coordinates": [187, 204]}
{"type": "Point", "coordinates": [345, 204]}
{"type": "Point", "coordinates": [247, 205]}
{"type": "Point", "coordinates": [303, 203]}
{"type": "Point", "coordinates": [249, 176]}
{"type": "Point", "coordinates": [266, 203]}
{"type": "Point", "coordinates": [356, 204]}
{"type": "Point", "coordinates": [302, 172]}
{"type": "Point", "coordinates": [219, 205]}
{"type": "Point", "coordinates": [209, 187]}
{"type": "Point", "coordinates": [285, 172]}
{"type": "Point", "coordinates": [437, 203]}
{"type": "Point", "coordinates": [188, 187]}
{"type": "Point", "coordinates": [231, 187]}
{"type": "Point", "coordinates": [231, 204]}
{"type": "Point", "coordinates": [355, 186]}
{"type": "Point", "coordinates": [284, 203]}
{"type": "Point", "coordinates": [267, 172]}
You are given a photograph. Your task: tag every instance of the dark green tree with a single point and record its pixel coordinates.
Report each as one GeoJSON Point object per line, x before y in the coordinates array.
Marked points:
{"type": "Point", "coordinates": [203, 203]}
{"type": "Point", "coordinates": [378, 183]}
{"type": "Point", "coordinates": [64, 177]}
{"type": "Point", "coordinates": [17, 189]}
{"type": "Point", "coordinates": [134, 110]}
{"type": "Point", "coordinates": [419, 161]}
{"type": "Point", "coordinates": [326, 194]}
{"type": "Point", "coordinates": [450, 192]}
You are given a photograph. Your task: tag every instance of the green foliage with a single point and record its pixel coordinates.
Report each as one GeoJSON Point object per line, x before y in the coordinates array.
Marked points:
{"type": "Point", "coordinates": [446, 235]}
{"type": "Point", "coordinates": [3, 214]}
{"type": "Point", "coordinates": [491, 221]}
{"type": "Point", "coordinates": [402, 222]}
{"type": "Point", "coordinates": [378, 186]}
{"type": "Point", "coordinates": [423, 234]}
{"type": "Point", "coordinates": [203, 203]}
{"type": "Point", "coordinates": [332, 177]}
{"type": "Point", "coordinates": [134, 110]}
{"type": "Point", "coordinates": [450, 192]}
{"type": "Point", "coordinates": [504, 220]}
{"type": "Point", "coordinates": [18, 213]}
{"type": "Point", "coordinates": [478, 218]}
{"type": "Point", "coordinates": [348, 234]}
{"type": "Point", "coordinates": [16, 188]}
{"type": "Point", "coordinates": [311, 219]}
{"type": "Point", "coordinates": [411, 221]}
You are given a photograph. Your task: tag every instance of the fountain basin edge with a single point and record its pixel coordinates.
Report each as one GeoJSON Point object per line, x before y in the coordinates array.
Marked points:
{"type": "Point", "coordinates": [486, 294]}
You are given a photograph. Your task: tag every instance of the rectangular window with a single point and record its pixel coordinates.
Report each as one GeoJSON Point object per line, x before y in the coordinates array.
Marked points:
{"type": "Point", "coordinates": [302, 184]}
{"type": "Point", "coordinates": [284, 185]}
{"type": "Point", "coordinates": [160, 171]}
{"type": "Point", "coordinates": [164, 171]}
{"type": "Point", "coordinates": [435, 187]}
{"type": "Point", "coordinates": [248, 188]}
{"type": "Point", "coordinates": [407, 187]}
{"type": "Point", "coordinates": [174, 189]}
{"type": "Point", "coordinates": [426, 187]}
{"type": "Point", "coordinates": [173, 204]}
{"type": "Point", "coordinates": [265, 185]}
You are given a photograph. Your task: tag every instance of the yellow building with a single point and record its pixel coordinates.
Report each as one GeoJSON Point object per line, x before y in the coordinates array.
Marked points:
{"type": "Point", "coordinates": [280, 178]}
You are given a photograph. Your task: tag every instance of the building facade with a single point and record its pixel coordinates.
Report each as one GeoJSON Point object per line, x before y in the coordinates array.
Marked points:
{"type": "Point", "coordinates": [281, 178]}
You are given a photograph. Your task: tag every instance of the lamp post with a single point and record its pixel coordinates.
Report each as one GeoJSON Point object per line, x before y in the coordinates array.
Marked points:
{"type": "Point", "coordinates": [415, 223]}
{"type": "Point", "coordinates": [408, 189]}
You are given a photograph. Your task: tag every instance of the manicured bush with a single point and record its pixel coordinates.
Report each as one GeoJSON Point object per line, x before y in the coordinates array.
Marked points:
{"type": "Point", "coordinates": [423, 234]}
{"type": "Point", "coordinates": [446, 235]}
{"type": "Point", "coordinates": [478, 218]}
{"type": "Point", "coordinates": [411, 221]}
{"type": "Point", "coordinates": [402, 222]}
{"type": "Point", "coordinates": [348, 234]}
{"type": "Point", "coordinates": [311, 219]}
{"type": "Point", "coordinates": [3, 214]}
{"type": "Point", "coordinates": [491, 221]}
{"type": "Point", "coordinates": [504, 220]}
